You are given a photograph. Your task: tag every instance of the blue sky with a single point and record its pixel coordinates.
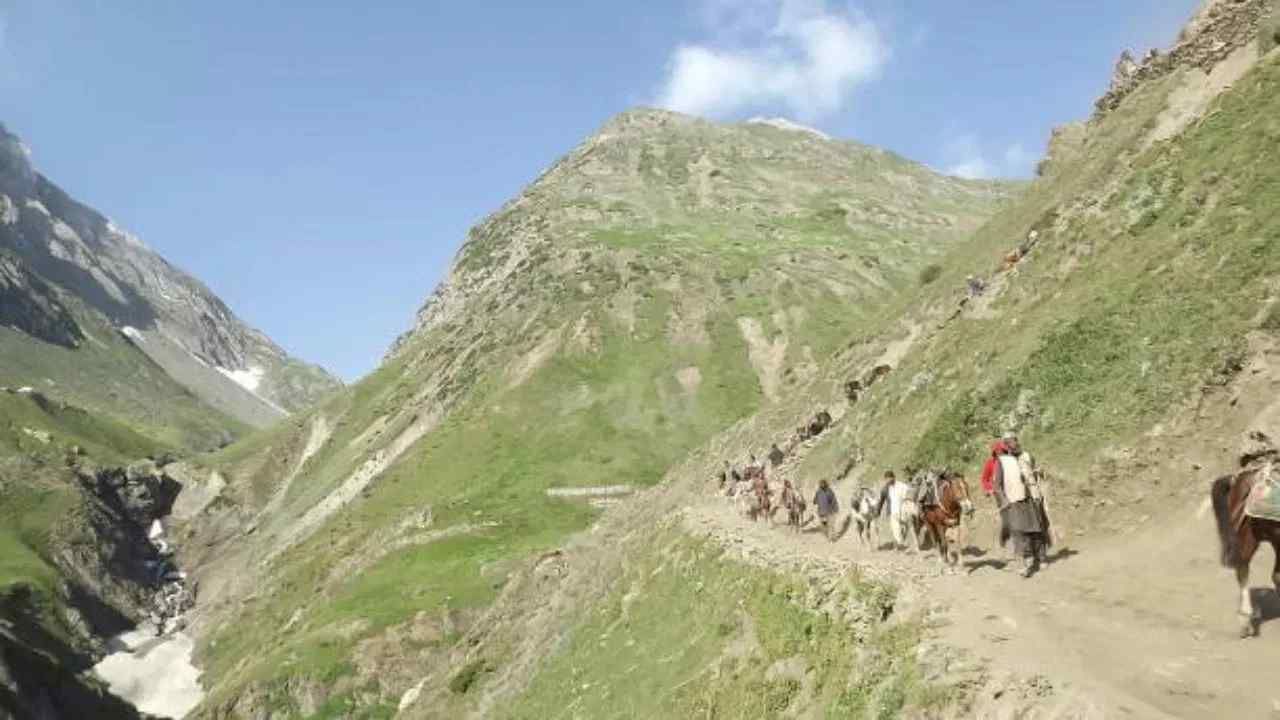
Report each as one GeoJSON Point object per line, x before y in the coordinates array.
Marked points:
{"type": "Point", "coordinates": [318, 164]}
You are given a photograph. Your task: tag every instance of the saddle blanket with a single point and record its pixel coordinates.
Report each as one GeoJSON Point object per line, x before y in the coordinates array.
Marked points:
{"type": "Point", "coordinates": [1264, 501]}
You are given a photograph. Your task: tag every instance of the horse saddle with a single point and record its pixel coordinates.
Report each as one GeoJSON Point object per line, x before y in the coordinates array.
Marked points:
{"type": "Point", "coordinates": [1264, 499]}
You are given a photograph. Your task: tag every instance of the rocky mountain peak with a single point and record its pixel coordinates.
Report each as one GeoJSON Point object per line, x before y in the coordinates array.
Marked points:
{"type": "Point", "coordinates": [1218, 29]}
{"type": "Point", "coordinates": [654, 173]}
{"type": "Point", "coordinates": [16, 173]}
{"type": "Point", "coordinates": [75, 251]}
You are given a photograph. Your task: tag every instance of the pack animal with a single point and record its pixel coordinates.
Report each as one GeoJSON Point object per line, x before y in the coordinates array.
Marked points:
{"type": "Point", "coordinates": [944, 515]}
{"type": "Point", "coordinates": [865, 510]}
{"type": "Point", "coordinates": [1240, 534]}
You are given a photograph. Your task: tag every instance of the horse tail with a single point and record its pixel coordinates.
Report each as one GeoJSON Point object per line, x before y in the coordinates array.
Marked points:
{"type": "Point", "coordinates": [1221, 496]}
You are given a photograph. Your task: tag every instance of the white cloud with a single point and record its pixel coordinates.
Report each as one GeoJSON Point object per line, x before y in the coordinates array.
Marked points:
{"type": "Point", "coordinates": [796, 55]}
{"type": "Point", "coordinates": [965, 157]}
{"type": "Point", "coordinates": [973, 169]}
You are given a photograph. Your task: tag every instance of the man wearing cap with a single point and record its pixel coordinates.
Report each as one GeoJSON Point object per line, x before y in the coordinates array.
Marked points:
{"type": "Point", "coordinates": [1018, 495]}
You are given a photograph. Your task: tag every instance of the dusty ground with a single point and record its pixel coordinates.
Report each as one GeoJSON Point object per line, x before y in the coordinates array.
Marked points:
{"type": "Point", "coordinates": [1141, 626]}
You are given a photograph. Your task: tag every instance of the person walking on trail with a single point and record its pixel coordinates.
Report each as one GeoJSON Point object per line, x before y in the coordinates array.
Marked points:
{"type": "Point", "coordinates": [827, 506]}
{"type": "Point", "coordinates": [889, 479]}
{"type": "Point", "coordinates": [776, 456]}
{"type": "Point", "coordinates": [793, 503]}
{"type": "Point", "coordinates": [989, 488]}
{"type": "Point", "coordinates": [1018, 494]}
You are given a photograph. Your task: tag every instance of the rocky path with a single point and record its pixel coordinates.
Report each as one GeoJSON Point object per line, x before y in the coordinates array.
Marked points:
{"type": "Point", "coordinates": [1139, 626]}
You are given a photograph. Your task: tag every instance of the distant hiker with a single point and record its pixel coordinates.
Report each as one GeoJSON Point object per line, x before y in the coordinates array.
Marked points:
{"type": "Point", "coordinates": [1025, 248]}
{"type": "Point", "coordinates": [776, 456]}
{"type": "Point", "coordinates": [726, 474]}
{"type": "Point", "coordinates": [760, 488]}
{"type": "Point", "coordinates": [975, 285]}
{"type": "Point", "coordinates": [1018, 494]}
{"type": "Point", "coordinates": [1011, 260]}
{"type": "Point", "coordinates": [794, 504]}
{"type": "Point", "coordinates": [827, 505]}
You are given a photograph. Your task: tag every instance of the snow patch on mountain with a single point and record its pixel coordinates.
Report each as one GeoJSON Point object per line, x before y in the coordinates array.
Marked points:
{"type": "Point", "coordinates": [132, 333]}
{"type": "Point", "coordinates": [38, 207]}
{"type": "Point", "coordinates": [785, 124]}
{"type": "Point", "coordinates": [249, 379]}
{"type": "Point", "coordinates": [128, 237]}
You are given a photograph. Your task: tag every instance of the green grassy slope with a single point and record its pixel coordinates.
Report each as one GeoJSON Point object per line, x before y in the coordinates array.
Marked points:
{"type": "Point", "coordinates": [38, 496]}
{"type": "Point", "coordinates": [691, 633]}
{"type": "Point", "coordinates": [559, 352]}
{"type": "Point", "coordinates": [663, 281]}
{"type": "Point", "coordinates": [1154, 265]}
{"type": "Point", "coordinates": [109, 376]}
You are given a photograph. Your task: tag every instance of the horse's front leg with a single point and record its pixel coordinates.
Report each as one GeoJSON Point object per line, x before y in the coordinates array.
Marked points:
{"type": "Point", "coordinates": [1248, 626]}
{"type": "Point", "coordinates": [1275, 572]}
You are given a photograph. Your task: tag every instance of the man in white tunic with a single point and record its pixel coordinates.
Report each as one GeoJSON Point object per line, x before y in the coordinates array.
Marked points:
{"type": "Point", "coordinates": [1017, 492]}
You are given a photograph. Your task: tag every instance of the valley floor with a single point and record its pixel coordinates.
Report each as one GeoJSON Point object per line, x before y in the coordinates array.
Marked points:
{"type": "Point", "coordinates": [1141, 625]}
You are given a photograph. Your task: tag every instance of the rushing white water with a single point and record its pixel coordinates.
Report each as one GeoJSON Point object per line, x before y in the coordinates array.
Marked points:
{"type": "Point", "coordinates": [153, 673]}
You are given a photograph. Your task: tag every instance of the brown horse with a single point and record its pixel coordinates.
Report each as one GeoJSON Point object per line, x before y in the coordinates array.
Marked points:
{"type": "Point", "coordinates": [950, 508]}
{"type": "Point", "coordinates": [1242, 535]}
{"type": "Point", "coordinates": [763, 506]}
{"type": "Point", "coordinates": [795, 505]}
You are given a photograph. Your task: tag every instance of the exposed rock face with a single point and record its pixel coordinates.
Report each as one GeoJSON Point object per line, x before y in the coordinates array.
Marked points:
{"type": "Point", "coordinates": [85, 255]}
{"type": "Point", "coordinates": [1219, 28]}
{"type": "Point", "coordinates": [40, 675]}
{"type": "Point", "coordinates": [112, 576]}
{"type": "Point", "coordinates": [30, 305]}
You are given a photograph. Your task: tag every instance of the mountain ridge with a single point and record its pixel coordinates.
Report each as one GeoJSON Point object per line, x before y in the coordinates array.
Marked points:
{"type": "Point", "coordinates": [143, 296]}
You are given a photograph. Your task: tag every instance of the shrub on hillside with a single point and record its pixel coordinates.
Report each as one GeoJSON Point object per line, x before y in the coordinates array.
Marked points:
{"type": "Point", "coordinates": [930, 273]}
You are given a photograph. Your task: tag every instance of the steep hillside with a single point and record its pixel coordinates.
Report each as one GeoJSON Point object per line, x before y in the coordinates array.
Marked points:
{"type": "Point", "coordinates": [70, 567]}
{"type": "Point", "coordinates": [1132, 345]}
{"type": "Point", "coordinates": [108, 355]}
{"type": "Point", "coordinates": [62, 265]}
{"type": "Point", "coordinates": [670, 279]}
{"type": "Point", "coordinates": [665, 279]}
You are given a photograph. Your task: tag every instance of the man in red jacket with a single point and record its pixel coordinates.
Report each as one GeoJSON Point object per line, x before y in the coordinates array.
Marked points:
{"type": "Point", "coordinates": [988, 486]}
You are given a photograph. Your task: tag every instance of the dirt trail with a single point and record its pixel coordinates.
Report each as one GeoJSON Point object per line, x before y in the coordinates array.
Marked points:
{"type": "Point", "coordinates": [1140, 626]}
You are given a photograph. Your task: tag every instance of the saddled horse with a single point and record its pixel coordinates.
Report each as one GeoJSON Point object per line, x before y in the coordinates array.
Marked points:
{"type": "Point", "coordinates": [865, 509]}
{"type": "Point", "coordinates": [794, 502]}
{"type": "Point", "coordinates": [1241, 535]}
{"type": "Point", "coordinates": [761, 499]}
{"type": "Point", "coordinates": [943, 517]}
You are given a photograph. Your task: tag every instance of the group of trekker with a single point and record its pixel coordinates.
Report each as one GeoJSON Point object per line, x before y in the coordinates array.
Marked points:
{"type": "Point", "coordinates": [1010, 477]}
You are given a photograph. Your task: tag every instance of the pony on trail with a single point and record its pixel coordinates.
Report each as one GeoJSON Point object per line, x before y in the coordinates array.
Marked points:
{"type": "Point", "coordinates": [1241, 535]}
{"type": "Point", "coordinates": [761, 503]}
{"type": "Point", "coordinates": [904, 515]}
{"type": "Point", "coordinates": [794, 502]}
{"type": "Point", "coordinates": [943, 518]}
{"type": "Point", "coordinates": [865, 508]}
